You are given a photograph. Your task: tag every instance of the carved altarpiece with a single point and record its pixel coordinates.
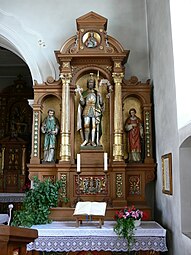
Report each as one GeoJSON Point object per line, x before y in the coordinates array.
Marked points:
{"type": "Point", "coordinates": [124, 182]}
{"type": "Point", "coordinates": [15, 135]}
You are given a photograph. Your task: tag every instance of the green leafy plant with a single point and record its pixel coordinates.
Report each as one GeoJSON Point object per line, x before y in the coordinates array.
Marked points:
{"type": "Point", "coordinates": [125, 223]}
{"type": "Point", "coordinates": [37, 203]}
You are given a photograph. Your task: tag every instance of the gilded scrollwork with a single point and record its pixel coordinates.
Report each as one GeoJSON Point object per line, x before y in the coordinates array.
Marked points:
{"type": "Point", "coordinates": [63, 179]}
{"type": "Point", "coordinates": [150, 176]}
{"type": "Point", "coordinates": [147, 134]}
{"type": "Point", "coordinates": [119, 185]}
{"type": "Point", "coordinates": [91, 185]}
{"type": "Point", "coordinates": [134, 185]}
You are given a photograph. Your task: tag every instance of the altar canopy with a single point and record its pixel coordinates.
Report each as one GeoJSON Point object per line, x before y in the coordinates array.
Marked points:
{"type": "Point", "coordinates": [64, 236]}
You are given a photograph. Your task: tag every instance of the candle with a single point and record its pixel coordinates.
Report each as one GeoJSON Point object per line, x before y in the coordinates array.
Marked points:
{"type": "Point", "coordinates": [105, 161]}
{"type": "Point", "coordinates": [78, 163]}
{"type": "Point", "coordinates": [32, 184]}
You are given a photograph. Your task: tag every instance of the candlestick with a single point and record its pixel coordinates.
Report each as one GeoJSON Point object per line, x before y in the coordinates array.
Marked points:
{"type": "Point", "coordinates": [105, 161]}
{"type": "Point", "coordinates": [78, 163]}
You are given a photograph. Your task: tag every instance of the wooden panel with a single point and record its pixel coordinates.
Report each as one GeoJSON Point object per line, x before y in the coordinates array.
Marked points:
{"type": "Point", "coordinates": [13, 240]}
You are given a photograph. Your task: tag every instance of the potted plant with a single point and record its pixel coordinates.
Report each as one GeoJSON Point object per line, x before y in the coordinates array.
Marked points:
{"type": "Point", "coordinates": [37, 203]}
{"type": "Point", "coordinates": [126, 222]}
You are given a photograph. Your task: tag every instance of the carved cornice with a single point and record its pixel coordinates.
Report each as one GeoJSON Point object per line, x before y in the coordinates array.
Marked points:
{"type": "Point", "coordinates": [133, 81]}
{"type": "Point", "coordinates": [76, 70]}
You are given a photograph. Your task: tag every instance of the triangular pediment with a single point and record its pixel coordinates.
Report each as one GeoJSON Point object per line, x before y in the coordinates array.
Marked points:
{"type": "Point", "coordinates": [91, 19]}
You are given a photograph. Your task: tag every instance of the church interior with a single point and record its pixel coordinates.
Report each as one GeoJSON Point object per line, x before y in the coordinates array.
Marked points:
{"type": "Point", "coordinates": [92, 94]}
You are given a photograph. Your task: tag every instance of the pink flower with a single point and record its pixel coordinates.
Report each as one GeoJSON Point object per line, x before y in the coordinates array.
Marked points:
{"type": "Point", "coordinates": [129, 212]}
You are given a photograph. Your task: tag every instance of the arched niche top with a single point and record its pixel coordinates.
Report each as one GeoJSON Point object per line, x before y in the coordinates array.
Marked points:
{"type": "Point", "coordinates": [103, 74]}
{"type": "Point", "coordinates": [50, 102]}
{"type": "Point", "coordinates": [48, 96]}
{"type": "Point", "coordinates": [47, 89]}
{"type": "Point", "coordinates": [186, 143]}
{"type": "Point", "coordinates": [137, 97]}
{"type": "Point", "coordinates": [132, 102]}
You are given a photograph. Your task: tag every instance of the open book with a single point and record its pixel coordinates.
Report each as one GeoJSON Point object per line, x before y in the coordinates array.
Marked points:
{"type": "Point", "coordinates": [90, 208]}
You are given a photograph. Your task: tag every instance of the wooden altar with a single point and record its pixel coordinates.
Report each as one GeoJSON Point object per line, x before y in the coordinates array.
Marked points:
{"type": "Point", "coordinates": [123, 182]}
{"type": "Point", "coordinates": [15, 136]}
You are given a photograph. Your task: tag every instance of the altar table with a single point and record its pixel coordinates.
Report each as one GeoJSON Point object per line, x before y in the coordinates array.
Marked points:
{"type": "Point", "coordinates": [65, 236]}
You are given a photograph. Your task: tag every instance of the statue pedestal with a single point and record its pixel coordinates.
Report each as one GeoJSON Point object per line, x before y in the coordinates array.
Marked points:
{"type": "Point", "coordinates": [92, 156]}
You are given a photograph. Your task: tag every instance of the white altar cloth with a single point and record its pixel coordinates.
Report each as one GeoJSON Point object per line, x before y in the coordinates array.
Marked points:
{"type": "Point", "coordinates": [4, 218]}
{"type": "Point", "coordinates": [65, 236]}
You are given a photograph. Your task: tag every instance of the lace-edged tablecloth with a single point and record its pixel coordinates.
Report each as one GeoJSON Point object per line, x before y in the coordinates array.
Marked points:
{"type": "Point", "coordinates": [65, 236]}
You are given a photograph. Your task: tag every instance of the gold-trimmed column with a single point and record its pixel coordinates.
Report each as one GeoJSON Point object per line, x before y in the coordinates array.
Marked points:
{"type": "Point", "coordinates": [65, 147]}
{"type": "Point", "coordinates": [148, 136]}
{"type": "Point", "coordinates": [36, 130]}
{"type": "Point", "coordinates": [118, 122]}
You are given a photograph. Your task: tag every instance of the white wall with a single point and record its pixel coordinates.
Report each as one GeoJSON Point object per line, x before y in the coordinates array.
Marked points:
{"type": "Point", "coordinates": [37, 28]}
{"type": "Point", "coordinates": [181, 20]}
{"type": "Point", "coordinates": [168, 208]}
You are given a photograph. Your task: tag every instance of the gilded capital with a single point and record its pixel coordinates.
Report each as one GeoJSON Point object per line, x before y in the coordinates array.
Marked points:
{"type": "Point", "coordinates": [118, 77]}
{"type": "Point", "coordinates": [66, 78]}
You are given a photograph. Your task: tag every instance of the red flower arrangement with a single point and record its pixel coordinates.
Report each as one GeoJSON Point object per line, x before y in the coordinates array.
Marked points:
{"type": "Point", "coordinates": [129, 212]}
{"type": "Point", "coordinates": [125, 222]}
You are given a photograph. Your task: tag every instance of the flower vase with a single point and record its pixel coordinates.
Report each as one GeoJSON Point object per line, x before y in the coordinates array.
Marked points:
{"type": "Point", "coordinates": [137, 223]}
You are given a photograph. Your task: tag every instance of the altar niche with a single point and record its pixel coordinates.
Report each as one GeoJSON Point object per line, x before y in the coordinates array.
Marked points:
{"type": "Point", "coordinates": [91, 114]}
{"type": "Point", "coordinates": [104, 130]}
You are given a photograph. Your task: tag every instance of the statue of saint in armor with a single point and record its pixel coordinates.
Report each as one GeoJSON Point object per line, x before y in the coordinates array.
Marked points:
{"type": "Point", "coordinates": [90, 111]}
